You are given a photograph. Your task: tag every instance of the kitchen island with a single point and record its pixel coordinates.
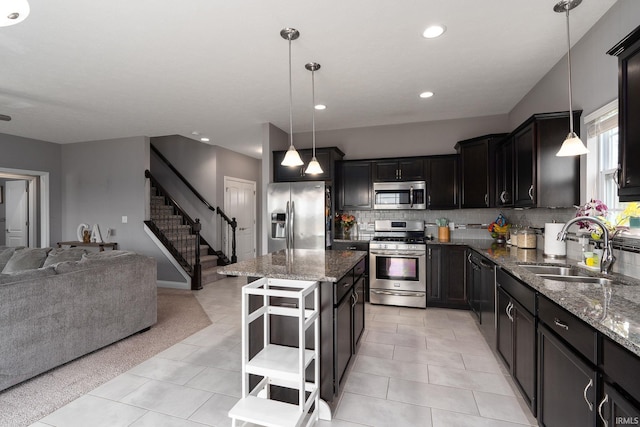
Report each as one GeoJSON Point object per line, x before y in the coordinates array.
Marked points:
{"type": "Point", "coordinates": [342, 295]}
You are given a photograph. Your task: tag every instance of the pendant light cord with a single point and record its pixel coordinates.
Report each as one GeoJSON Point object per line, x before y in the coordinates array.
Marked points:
{"type": "Point", "coordinates": [569, 68]}
{"type": "Point", "coordinates": [290, 98]}
{"type": "Point", "coordinates": [313, 111]}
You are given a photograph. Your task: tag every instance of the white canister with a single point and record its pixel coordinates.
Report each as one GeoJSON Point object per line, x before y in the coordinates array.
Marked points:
{"type": "Point", "coordinates": [552, 246]}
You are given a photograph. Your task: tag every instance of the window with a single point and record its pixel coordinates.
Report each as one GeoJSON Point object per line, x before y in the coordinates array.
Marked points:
{"type": "Point", "coordinates": [602, 160]}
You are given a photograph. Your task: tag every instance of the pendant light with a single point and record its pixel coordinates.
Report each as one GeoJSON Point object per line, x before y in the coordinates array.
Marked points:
{"type": "Point", "coordinates": [13, 12]}
{"type": "Point", "coordinates": [572, 145]}
{"type": "Point", "coordinates": [314, 167]}
{"type": "Point", "coordinates": [292, 158]}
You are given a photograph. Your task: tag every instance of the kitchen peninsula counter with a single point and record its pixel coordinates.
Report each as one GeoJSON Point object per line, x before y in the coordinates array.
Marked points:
{"type": "Point", "coordinates": [298, 264]}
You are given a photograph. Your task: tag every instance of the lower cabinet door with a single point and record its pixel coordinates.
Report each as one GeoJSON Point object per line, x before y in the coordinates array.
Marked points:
{"type": "Point", "coordinates": [566, 385]}
{"type": "Point", "coordinates": [358, 311]}
{"type": "Point", "coordinates": [615, 409]}
{"type": "Point", "coordinates": [343, 336]}
{"type": "Point", "coordinates": [524, 354]}
{"type": "Point", "coordinates": [504, 333]}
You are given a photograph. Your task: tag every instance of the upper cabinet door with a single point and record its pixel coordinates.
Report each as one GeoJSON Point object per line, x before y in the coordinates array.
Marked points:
{"type": "Point", "coordinates": [504, 174]}
{"type": "Point", "coordinates": [355, 185]}
{"type": "Point", "coordinates": [442, 182]}
{"type": "Point", "coordinates": [410, 169]}
{"type": "Point", "coordinates": [525, 166]}
{"type": "Point", "coordinates": [628, 52]}
{"type": "Point", "coordinates": [477, 165]}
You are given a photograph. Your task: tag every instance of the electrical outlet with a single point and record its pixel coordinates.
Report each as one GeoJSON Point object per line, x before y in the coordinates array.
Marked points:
{"type": "Point", "coordinates": [124, 219]}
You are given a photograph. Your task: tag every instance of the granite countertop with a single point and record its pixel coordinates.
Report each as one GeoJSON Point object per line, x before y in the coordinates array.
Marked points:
{"type": "Point", "coordinates": [298, 264]}
{"type": "Point", "coordinates": [612, 309]}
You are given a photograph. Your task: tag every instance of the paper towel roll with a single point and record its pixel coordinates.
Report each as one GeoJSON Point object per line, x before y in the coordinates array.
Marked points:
{"type": "Point", "coordinates": [552, 246]}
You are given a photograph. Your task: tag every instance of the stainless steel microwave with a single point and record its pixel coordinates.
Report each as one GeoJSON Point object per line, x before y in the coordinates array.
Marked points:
{"type": "Point", "coordinates": [400, 195]}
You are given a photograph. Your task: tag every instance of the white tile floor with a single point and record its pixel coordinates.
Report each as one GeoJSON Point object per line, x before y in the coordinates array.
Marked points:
{"type": "Point", "coordinates": [414, 368]}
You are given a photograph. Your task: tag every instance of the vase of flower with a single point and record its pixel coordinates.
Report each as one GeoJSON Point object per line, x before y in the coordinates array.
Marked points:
{"type": "Point", "coordinates": [346, 222]}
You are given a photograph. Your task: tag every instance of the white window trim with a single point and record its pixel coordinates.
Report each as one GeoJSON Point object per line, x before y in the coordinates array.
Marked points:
{"type": "Point", "coordinates": [592, 168]}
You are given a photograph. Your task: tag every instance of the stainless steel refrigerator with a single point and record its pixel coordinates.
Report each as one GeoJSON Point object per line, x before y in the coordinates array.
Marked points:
{"type": "Point", "coordinates": [300, 214]}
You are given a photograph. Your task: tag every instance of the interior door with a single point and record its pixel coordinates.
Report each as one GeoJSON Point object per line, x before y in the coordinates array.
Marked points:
{"type": "Point", "coordinates": [17, 209]}
{"type": "Point", "coordinates": [240, 203]}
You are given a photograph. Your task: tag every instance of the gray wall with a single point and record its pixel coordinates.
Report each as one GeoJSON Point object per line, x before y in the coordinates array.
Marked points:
{"type": "Point", "coordinates": [103, 181]}
{"type": "Point", "coordinates": [410, 139]}
{"type": "Point", "coordinates": [34, 155]}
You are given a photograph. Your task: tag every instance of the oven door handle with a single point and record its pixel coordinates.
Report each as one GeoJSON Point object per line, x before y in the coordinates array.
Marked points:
{"type": "Point", "coordinates": [399, 294]}
{"type": "Point", "coordinates": [401, 253]}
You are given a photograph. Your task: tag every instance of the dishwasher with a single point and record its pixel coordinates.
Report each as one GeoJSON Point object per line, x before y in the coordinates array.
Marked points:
{"type": "Point", "coordinates": [482, 293]}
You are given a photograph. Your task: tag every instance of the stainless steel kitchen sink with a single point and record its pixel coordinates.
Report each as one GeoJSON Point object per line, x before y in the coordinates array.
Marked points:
{"type": "Point", "coordinates": [555, 270]}
{"type": "Point", "coordinates": [578, 279]}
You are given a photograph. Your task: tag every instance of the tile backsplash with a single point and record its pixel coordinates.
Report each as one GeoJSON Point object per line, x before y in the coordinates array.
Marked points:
{"type": "Point", "coordinates": [472, 224]}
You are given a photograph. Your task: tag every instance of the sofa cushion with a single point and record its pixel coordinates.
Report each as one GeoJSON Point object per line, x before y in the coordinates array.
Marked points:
{"type": "Point", "coordinates": [23, 275]}
{"type": "Point", "coordinates": [26, 259]}
{"type": "Point", "coordinates": [62, 255]}
{"type": "Point", "coordinates": [5, 255]}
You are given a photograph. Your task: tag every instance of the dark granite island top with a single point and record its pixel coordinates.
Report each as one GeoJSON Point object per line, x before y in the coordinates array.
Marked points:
{"type": "Point", "coordinates": [298, 264]}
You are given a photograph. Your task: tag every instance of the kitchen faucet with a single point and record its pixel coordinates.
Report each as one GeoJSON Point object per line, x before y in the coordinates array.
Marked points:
{"type": "Point", "coordinates": [607, 259]}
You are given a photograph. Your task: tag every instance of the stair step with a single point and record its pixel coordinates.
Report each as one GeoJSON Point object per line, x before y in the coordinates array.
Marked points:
{"type": "Point", "coordinates": [211, 275]}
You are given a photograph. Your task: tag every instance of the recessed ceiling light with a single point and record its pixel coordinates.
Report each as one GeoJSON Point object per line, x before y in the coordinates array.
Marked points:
{"type": "Point", "coordinates": [204, 139]}
{"type": "Point", "coordinates": [320, 107]}
{"type": "Point", "coordinates": [426, 94]}
{"type": "Point", "coordinates": [433, 31]}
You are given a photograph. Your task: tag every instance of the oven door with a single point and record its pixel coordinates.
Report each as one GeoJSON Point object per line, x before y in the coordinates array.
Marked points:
{"type": "Point", "coordinates": [398, 270]}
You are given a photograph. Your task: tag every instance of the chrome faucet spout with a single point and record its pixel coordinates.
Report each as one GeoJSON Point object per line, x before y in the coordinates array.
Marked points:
{"type": "Point", "coordinates": [607, 260]}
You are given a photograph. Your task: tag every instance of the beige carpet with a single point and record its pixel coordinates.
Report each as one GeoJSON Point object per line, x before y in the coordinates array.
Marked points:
{"type": "Point", "coordinates": [179, 315]}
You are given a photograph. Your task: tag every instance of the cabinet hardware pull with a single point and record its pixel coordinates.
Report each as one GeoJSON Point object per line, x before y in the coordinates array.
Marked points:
{"type": "Point", "coordinates": [429, 251]}
{"type": "Point", "coordinates": [508, 310]}
{"type": "Point", "coordinates": [616, 176]}
{"type": "Point", "coordinates": [346, 285]}
{"type": "Point", "coordinates": [561, 324]}
{"type": "Point", "coordinates": [584, 394]}
{"type": "Point", "coordinates": [531, 192]}
{"type": "Point", "coordinates": [486, 199]}
{"type": "Point", "coordinates": [353, 300]}
{"type": "Point", "coordinates": [352, 248]}
{"type": "Point", "coordinates": [502, 199]}
{"type": "Point", "coordinates": [605, 423]}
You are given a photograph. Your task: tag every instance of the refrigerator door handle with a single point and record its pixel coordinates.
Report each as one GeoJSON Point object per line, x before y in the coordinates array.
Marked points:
{"type": "Point", "coordinates": [292, 224]}
{"type": "Point", "coordinates": [287, 232]}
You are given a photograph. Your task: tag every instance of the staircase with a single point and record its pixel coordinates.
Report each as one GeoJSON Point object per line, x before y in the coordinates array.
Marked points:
{"type": "Point", "coordinates": [177, 230]}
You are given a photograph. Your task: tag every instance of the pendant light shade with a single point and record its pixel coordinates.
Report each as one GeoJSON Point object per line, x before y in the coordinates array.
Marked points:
{"type": "Point", "coordinates": [572, 145]}
{"type": "Point", "coordinates": [292, 158]}
{"type": "Point", "coordinates": [13, 12]}
{"type": "Point", "coordinates": [314, 167]}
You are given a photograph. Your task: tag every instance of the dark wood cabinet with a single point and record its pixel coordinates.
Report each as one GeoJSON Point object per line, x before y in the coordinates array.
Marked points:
{"type": "Point", "coordinates": [357, 245]}
{"type": "Point", "coordinates": [516, 333]}
{"type": "Point", "coordinates": [358, 312]}
{"type": "Point", "coordinates": [628, 53]}
{"type": "Point", "coordinates": [442, 181]}
{"type": "Point", "coordinates": [446, 281]}
{"type": "Point", "coordinates": [355, 185]}
{"type": "Point", "coordinates": [477, 176]}
{"type": "Point", "coordinates": [504, 173]}
{"type": "Point", "coordinates": [566, 385]}
{"type": "Point", "coordinates": [541, 179]}
{"type": "Point", "coordinates": [410, 169]}
{"type": "Point", "coordinates": [327, 158]}
{"type": "Point", "coordinates": [344, 336]}
{"type": "Point", "coordinates": [616, 408]}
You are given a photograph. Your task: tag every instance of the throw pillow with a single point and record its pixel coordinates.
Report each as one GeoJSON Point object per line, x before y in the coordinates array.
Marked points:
{"type": "Point", "coordinates": [5, 256]}
{"type": "Point", "coordinates": [61, 255]}
{"type": "Point", "coordinates": [26, 259]}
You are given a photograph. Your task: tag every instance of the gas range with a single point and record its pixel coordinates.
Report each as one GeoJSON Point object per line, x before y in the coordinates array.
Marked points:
{"type": "Point", "coordinates": [398, 235]}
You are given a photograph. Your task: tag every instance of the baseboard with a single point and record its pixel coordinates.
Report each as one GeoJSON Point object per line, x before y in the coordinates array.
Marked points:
{"type": "Point", "coordinates": [172, 285]}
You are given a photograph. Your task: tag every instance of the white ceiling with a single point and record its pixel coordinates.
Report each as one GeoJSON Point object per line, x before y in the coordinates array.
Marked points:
{"type": "Point", "coordinates": [79, 70]}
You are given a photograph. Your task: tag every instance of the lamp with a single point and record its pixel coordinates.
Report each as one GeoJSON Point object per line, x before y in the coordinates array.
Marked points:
{"type": "Point", "coordinates": [292, 158]}
{"type": "Point", "coordinates": [572, 145]}
{"type": "Point", "coordinates": [13, 12]}
{"type": "Point", "coordinates": [314, 167]}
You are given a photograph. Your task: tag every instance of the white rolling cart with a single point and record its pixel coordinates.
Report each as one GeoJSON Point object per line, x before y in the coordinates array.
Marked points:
{"type": "Point", "coordinates": [280, 365]}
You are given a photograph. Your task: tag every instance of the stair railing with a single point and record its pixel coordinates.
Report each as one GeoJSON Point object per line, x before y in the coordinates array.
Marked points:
{"type": "Point", "coordinates": [185, 248]}
{"type": "Point", "coordinates": [231, 222]}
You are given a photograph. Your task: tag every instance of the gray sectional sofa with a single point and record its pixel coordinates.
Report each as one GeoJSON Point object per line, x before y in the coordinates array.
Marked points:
{"type": "Point", "coordinates": [72, 303]}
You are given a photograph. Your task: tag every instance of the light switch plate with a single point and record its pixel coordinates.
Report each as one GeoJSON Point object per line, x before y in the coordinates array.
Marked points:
{"type": "Point", "coordinates": [124, 219]}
